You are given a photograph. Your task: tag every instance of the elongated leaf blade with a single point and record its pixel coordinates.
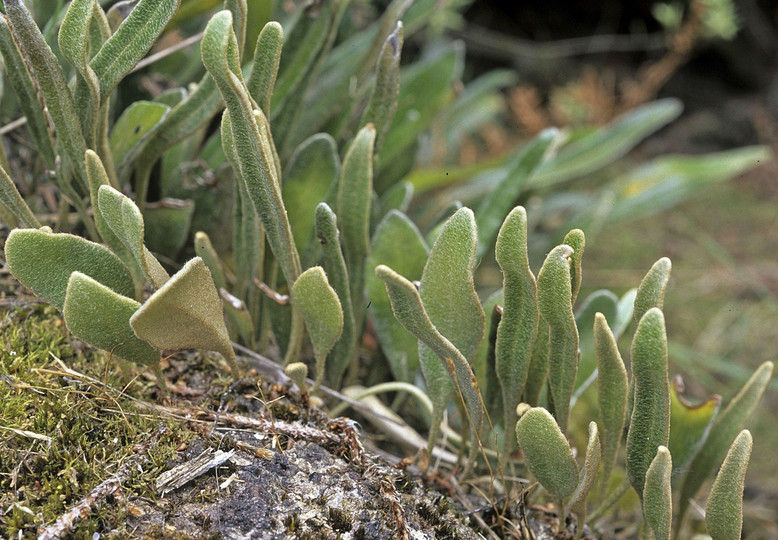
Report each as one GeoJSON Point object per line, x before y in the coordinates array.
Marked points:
{"type": "Point", "coordinates": [689, 424]}
{"type": "Point", "coordinates": [651, 292]}
{"type": "Point", "coordinates": [658, 496]}
{"type": "Point", "coordinates": [724, 510]}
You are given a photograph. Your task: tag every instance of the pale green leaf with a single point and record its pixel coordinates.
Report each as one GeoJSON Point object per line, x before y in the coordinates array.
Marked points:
{"type": "Point", "coordinates": [101, 317]}
{"type": "Point", "coordinates": [588, 475]}
{"type": "Point", "coordinates": [658, 496]}
{"type": "Point", "coordinates": [689, 424]}
{"type": "Point", "coordinates": [724, 510]}
{"type": "Point", "coordinates": [267, 56]}
{"type": "Point", "coordinates": [43, 261]}
{"type": "Point", "coordinates": [651, 292]}
{"type": "Point", "coordinates": [383, 100]}
{"type": "Point", "coordinates": [13, 201]}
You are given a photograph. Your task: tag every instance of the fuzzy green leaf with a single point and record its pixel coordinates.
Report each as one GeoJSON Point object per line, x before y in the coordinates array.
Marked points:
{"type": "Point", "coordinates": [319, 304]}
{"type": "Point", "coordinates": [101, 317]}
{"type": "Point", "coordinates": [611, 392]}
{"type": "Point", "coordinates": [589, 474]}
{"type": "Point", "coordinates": [185, 313]}
{"type": "Point", "coordinates": [724, 510]}
{"type": "Point", "coordinates": [657, 494]}
{"type": "Point", "coordinates": [600, 301]}
{"type": "Point", "coordinates": [52, 83]}
{"type": "Point", "coordinates": [499, 201]}
{"type": "Point", "coordinates": [398, 197]}
{"type": "Point", "coordinates": [27, 94]}
{"type": "Point", "coordinates": [556, 308]}
{"type": "Point", "coordinates": [651, 292]}
{"type": "Point", "coordinates": [537, 373]}
{"type": "Point", "coordinates": [168, 222]}
{"type": "Point", "coordinates": [546, 452]}
{"type": "Point", "coordinates": [689, 424]}
{"type": "Point", "coordinates": [449, 297]}
{"type": "Point", "coordinates": [409, 310]}
{"type": "Point", "coordinates": [326, 227]}
{"type": "Point", "coordinates": [74, 42]}
{"type": "Point", "coordinates": [267, 56]}
{"type": "Point", "coordinates": [126, 222]}
{"type": "Point", "coordinates": [43, 261]}
{"type": "Point", "coordinates": [131, 41]}
{"type": "Point", "coordinates": [398, 244]}
{"type": "Point", "coordinates": [383, 100]}
{"type": "Point", "coordinates": [255, 166]}
{"type": "Point", "coordinates": [649, 426]}
{"type": "Point", "coordinates": [12, 199]}
{"type": "Point", "coordinates": [519, 323]}
{"type": "Point", "coordinates": [355, 191]}
{"type": "Point", "coordinates": [726, 426]}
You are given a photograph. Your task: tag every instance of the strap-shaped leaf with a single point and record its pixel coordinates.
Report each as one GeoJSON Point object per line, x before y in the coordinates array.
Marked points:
{"type": "Point", "coordinates": [267, 56]}
{"type": "Point", "coordinates": [383, 100]}
{"type": "Point", "coordinates": [130, 42]}
{"type": "Point", "coordinates": [689, 424]}
{"type": "Point", "coordinates": [500, 200]}
{"type": "Point", "coordinates": [101, 317]}
{"type": "Point", "coordinates": [74, 42]}
{"type": "Point", "coordinates": [726, 426]}
{"type": "Point", "coordinates": [126, 222]}
{"type": "Point", "coordinates": [519, 323]}
{"type": "Point", "coordinates": [450, 300]}
{"type": "Point", "coordinates": [408, 308]}
{"type": "Point", "coordinates": [185, 313]}
{"type": "Point", "coordinates": [27, 94]}
{"type": "Point", "coordinates": [546, 452]}
{"type": "Point", "coordinates": [588, 475]}
{"type": "Point", "coordinates": [326, 227]}
{"type": "Point", "coordinates": [611, 393]}
{"type": "Point", "coordinates": [538, 366]}
{"type": "Point", "coordinates": [320, 306]}
{"type": "Point", "coordinates": [12, 199]}
{"type": "Point", "coordinates": [649, 426]}
{"type": "Point", "coordinates": [52, 83]}
{"type": "Point", "coordinates": [205, 250]}
{"type": "Point", "coordinates": [255, 167]}
{"type": "Point", "coordinates": [355, 192]}
{"type": "Point", "coordinates": [724, 510]}
{"type": "Point", "coordinates": [657, 494]}
{"type": "Point", "coordinates": [43, 261]}
{"type": "Point", "coordinates": [398, 244]}
{"type": "Point", "coordinates": [556, 308]}
{"type": "Point", "coordinates": [600, 301]}
{"type": "Point", "coordinates": [651, 292]}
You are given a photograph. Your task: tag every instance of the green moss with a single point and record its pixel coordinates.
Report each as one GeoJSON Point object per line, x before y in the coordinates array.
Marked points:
{"type": "Point", "coordinates": [63, 435]}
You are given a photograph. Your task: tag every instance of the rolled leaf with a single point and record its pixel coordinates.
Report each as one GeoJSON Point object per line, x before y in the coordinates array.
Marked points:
{"type": "Point", "coordinates": [320, 306]}
{"type": "Point", "coordinates": [131, 41]}
{"type": "Point", "coordinates": [651, 292]}
{"type": "Point", "coordinates": [546, 452]}
{"type": "Point", "coordinates": [185, 313]}
{"type": "Point", "coordinates": [125, 220]}
{"type": "Point", "coordinates": [267, 56]}
{"type": "Point", "coordinates": [99, 316]}
{"type": "Point", "coordinates": [724, 430]}
{"type": "Point", "coordinates": [383, 100]}
{"type": "Point", "coordinates": [588, 475]}
{"type": "Point", "coordinates": [611, 393]}
{"type": "Point", "coordinates": [556, 308]}
{"type": "Point", "coordinates": [538, 366]}
{"type": "Point", "coordinates": [724, 510]}
{"type": "Point", "coordinates": [576, 240]}
{"type": "Point", "coordinates": [658, 496]}
{"type": "Point", "coordinates": [519, 322]}
{"type": "Point", "coordinates": [335, 265]}
{"type": "Point", "coordinates": [649, 426]}
{"type": "Point", "coordinates": [43, 261]}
